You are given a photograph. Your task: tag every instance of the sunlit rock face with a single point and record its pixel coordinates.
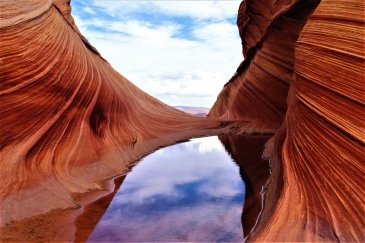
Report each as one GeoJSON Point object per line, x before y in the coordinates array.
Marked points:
{"type": "Point", "coordinates": [68, 119]}
{"type": "Point", "coordinates": [304, 74]}
{"type": "Point", "coordinates": [258, 90]}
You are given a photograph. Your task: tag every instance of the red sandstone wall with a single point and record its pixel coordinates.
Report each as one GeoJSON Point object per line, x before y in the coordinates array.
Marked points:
{"type": "Point", "coordinates": [318, 159]}
{"type": "Point", "coordinates": [68, 119]}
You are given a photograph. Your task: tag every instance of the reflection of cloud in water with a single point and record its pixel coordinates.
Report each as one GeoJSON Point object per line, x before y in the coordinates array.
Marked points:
{"type": "Point", "coordinates": [189, 191]}
{"type": "Point", "coordinates": [206, 223]}
{"type": "Point", "coordinates": [206, 145]}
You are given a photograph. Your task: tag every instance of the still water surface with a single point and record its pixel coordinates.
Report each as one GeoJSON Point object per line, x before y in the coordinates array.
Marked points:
{"type": "Point", "coordinates": [191, 191]}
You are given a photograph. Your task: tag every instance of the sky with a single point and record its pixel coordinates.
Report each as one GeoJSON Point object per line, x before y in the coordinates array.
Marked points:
{"type": "Point", "coordinates": [181, 52]}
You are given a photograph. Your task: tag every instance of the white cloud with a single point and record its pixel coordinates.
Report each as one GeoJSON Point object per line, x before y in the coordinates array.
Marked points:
{"type": "Point", "coordinates": [159, 58]}
{"type": "Point", "coordinates": [143, 30]}
{"type": "Point", "coordinates": [187, 8]}
{"type": "Point", "coordinates": [89, 10]}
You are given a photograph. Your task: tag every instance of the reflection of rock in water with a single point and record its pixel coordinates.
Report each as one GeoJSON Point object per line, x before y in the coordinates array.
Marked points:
{"type": "Point", "coordinates": [87, 221]}
{"type": "Point", "coordinates": [246, 150]}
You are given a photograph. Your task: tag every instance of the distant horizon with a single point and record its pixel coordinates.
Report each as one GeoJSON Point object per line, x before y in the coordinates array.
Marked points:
{"type": "Point", "coordinates": [181, 52]}
{"type": "Point", "coordinates": [184, 106]}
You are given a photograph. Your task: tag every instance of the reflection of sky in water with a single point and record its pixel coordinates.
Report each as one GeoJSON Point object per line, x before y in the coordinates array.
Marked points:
{"type": "Point", "coordinates": [186, 192]}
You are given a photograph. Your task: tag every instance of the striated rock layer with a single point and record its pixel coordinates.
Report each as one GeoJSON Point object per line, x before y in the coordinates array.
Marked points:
{"type": "Point", "coordinates": [304, 74]}
{"type": "Point", "coordinates": [269, 33]}
{"type": "Point", "coordinates": [68, 119]}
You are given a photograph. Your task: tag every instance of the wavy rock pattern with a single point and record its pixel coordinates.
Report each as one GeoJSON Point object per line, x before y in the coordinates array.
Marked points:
{"type": "Point", "coordinates": [263, 78]}
{"type": "Point", "coordinates": [68, 119]}
{"type": "Point", "coordinates": [315, 192]}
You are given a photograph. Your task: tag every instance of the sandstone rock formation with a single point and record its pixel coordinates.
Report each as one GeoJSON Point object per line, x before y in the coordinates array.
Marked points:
{"type": "Point", "coordinates": [68, 119]}
{"type": "Point", "coordinates": [303, 73]}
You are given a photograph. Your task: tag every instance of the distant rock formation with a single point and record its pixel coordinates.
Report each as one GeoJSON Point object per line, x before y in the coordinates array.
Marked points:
{"type": "Point", "coordinates": [196, 111]}
{"type": "Point", "coordinates": [303, 74]}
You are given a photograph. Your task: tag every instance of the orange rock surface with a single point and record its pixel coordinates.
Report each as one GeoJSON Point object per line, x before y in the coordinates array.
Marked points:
{"type": "Point", "coordinates": [68, 119]}
{"type": "Point", "coordinates": [303, 73]}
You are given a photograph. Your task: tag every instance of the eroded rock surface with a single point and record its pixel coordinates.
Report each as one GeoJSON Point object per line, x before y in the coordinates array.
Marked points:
{"type": "Point", "coordinates": [304, 74]}
{"type": "Point", "coordinates": [68, 119]}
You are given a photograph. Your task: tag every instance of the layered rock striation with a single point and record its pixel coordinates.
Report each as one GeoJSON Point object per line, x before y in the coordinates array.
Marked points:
{"type": "Point", "coordinates": [303, 74]}
{"type": "Point", "coordinates": [68, 119]}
